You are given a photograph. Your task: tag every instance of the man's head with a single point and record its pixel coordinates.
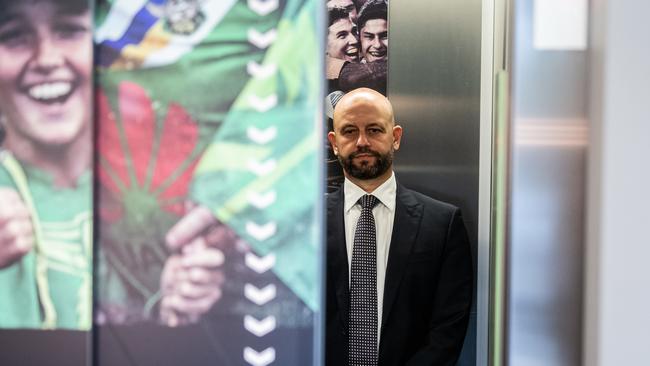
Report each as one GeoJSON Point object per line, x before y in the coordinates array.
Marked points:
{"type": "Point", "coordinates": [342, 41]}
{"type": "Point", "coordinates": [346, 5]}
{"type": "Point", "coordinates": [359, 3]}
{"type": "Point", "coordinates": [373, 30]}
{"type": "Point", "coordinates": [45, 72]}
{"type": "Point", "coordinates": [365, 136]}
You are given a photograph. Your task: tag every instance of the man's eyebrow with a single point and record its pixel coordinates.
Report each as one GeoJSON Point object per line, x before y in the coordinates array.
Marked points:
{"type": "Point", "coordinates": [375, 124]}
{"type": "Point", "coordinates": [346, 125]}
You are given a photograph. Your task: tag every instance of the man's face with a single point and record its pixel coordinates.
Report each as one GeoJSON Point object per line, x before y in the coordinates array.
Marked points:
{"type": "Point", "coordinates": [365, 139]}
{"type": "Point", "coordinates": [342, 42]}
{"type": "Point", "coordinates": [374, 40]}
{"type": "Point", "coordinates": [45, 85]}
{"type": "Point", "coordinates": [348, 5]}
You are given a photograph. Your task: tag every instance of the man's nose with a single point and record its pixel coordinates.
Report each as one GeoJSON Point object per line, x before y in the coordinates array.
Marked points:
{"type": "Point", "coordinates": [376, 43]}
{"type": "Point", "coordinates": [48, 55]}
{"type": "Point", "coordinates": [362, 140]}
{"type": "Point", "coordinates": [352, 39]}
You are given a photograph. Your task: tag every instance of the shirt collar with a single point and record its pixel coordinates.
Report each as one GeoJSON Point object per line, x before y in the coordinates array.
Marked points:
{"type": "Point", "coordinates": [386, 193]}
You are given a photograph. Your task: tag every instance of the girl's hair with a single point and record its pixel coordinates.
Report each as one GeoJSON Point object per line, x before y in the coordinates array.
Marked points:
{"type": "Point", "coordinates": [74, 7]}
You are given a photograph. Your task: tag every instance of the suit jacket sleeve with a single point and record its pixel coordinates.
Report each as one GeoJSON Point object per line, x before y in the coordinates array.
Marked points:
{"type": "Point", "coordinates": [452, 302]}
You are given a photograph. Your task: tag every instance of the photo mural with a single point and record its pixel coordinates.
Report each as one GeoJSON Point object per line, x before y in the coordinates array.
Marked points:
{"type": "Point", "coordinates": [356, 55]}
{"type": "Point", "coordinates": [207, 126]}
{"type": "Point", "coordinates": [46, 155]}
{"type": "Point", "coordinates": [165, 188]}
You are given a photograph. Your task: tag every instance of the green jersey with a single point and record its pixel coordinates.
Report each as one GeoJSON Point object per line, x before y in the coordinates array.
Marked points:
{"type": "Point", "coordinates": [51, 286]}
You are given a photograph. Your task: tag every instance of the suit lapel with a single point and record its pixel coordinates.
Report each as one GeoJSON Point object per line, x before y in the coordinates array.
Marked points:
{"type": "Point", "coordinates": [336, 238]}
{"type": "Point", "coordinates": [408, 214]}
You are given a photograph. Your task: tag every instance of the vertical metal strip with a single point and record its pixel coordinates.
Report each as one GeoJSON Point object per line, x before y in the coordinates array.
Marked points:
{"type": "Point", "coordinates": [491, 25]}
{"type": "Point", "coordinates": [499, 222]}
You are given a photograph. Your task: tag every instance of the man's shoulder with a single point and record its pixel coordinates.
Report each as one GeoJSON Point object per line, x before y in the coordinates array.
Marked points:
{"type": "Point", "coordinates": [428, 202]}
{"type": "Point", "coordinates": [334, 196]}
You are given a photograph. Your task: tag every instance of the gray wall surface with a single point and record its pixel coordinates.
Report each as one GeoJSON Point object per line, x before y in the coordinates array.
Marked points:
{"type": "Point", "coordinates": [434, 85]}
{"type": "Point", "coordinates": [546, 216]}
{"type": "Point", "coordinates": [617, 313]}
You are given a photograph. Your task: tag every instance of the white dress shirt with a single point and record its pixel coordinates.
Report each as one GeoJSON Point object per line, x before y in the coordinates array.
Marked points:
{"type": "Point", "coordinates": [384, 214]}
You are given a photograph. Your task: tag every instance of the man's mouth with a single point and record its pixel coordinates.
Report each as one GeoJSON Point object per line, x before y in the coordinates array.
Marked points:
{"type": "Point", "coordinates": [364, 154]}
{"type": "Point", "coordinates": [378, 54]}
{"type": "Point", "coordinates": [50, 92]}
{"type": "Point", "coordinates": [351, 51]}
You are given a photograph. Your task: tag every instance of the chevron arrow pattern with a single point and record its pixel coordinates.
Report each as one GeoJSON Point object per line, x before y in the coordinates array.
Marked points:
{"type": "Point", "coordinates": [262, 137]}
{"type": "Point", "coordinates": [260, 71]}
{"type": "Point", "coordinates": [259, 328]}
{"type": "Point", "coordinates": [260, 264]}
{"type": "Point", "coordinates": [263, 7]}
{"type": "Point", "coordinates": [261, 168]}
{"type": "Point", "coordinates": [263, 104]}
{"type": "Point", "coordinates": [261, 232]}
{"type": "Point", "coordinates": [255, 358]}
{"type": "Point", "coordinates": [261, 40]}
{"type": "Point", "coordinates": [262, 200]}
{"type": "Point", "coordinates": [260, 296]}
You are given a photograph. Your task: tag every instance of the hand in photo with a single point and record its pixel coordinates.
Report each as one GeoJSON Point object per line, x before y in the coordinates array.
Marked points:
{"type": "Point", "coordinates": [16, 231]}
{"type": "Point", "coordinates": [192, 278]}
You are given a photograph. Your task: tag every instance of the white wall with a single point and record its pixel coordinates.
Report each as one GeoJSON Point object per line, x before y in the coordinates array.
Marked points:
{"type": "Point", "coordinates": [617, 295]}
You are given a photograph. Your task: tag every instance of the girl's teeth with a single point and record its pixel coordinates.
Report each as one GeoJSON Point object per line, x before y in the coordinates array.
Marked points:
{"type": "Point", "coordinates": [50, 90]}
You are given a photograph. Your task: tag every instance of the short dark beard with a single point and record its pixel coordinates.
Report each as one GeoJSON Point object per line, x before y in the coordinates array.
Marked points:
{"type": "Point", "coordinates": [367, 170]}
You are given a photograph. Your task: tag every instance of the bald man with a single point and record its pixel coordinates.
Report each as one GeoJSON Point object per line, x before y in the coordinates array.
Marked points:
{"type": "Point", "coordinates": [399, 269]}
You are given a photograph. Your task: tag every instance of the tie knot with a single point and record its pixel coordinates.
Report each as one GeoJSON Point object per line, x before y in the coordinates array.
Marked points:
{"type": "Point", "coordinates": [368, 201]}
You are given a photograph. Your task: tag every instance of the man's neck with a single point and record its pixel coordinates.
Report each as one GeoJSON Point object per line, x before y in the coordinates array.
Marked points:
{"type": "Point", "coordinates": [369, 185]}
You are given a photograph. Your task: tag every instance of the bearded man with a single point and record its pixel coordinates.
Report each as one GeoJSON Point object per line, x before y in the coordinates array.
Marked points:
{"type": "Point", "coordinates": [399, 268]}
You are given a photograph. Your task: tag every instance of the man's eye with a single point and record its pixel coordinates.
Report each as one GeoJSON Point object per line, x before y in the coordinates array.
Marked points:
{"type": "Point", "coordinates": [342, 35]}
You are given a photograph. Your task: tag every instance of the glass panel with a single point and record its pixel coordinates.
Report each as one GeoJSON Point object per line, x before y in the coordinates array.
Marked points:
{"type": "Point", "coordinates": [45, 181]}
{"type": "Point", "coordinates": [208, 131]}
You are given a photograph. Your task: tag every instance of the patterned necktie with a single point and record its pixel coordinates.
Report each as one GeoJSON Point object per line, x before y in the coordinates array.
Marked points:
{"type": "Point", "coordinates": [363, 289]}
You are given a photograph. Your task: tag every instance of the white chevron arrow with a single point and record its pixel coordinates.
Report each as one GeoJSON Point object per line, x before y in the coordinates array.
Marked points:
{"type": "Point", "coordinates": [260, 264]}
{"type": "Point", "coordinates": [262, 7]}
{"type": "Point", "coordinates": [259, 296]}
{"type": "Point", "coordinates": [261, 232]}
{"type": "Point", "coordinates": [263, 104]}
{"type": "Point", "coordinates": [261, 136]}
{"type": "Point", "coordinates": [261, 200]}
{"type": "Point", "coordinates": [261, 168]}
{"type": "Point", "coordinates": [259, 327]}
{"type": "Point", "coordinates": [262, 40]}
{"type": "Point", "coordinates": [260, 71]}
{"type": "Point", "coordinates": [259, 358]}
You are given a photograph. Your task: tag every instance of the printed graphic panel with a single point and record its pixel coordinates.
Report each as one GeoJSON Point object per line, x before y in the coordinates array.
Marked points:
{"type": "Point", "coordinates": [356, 55]}
{"type": "Point", "coordinates": [208, 118]}
{"type": "Point", "coordinates": [45, 180]}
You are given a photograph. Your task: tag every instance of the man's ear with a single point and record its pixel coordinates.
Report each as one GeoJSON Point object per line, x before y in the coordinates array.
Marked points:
{"type": "Point", "coordinates": [397, 136]}
{"type": "Point", "coordinates": [331, 137]}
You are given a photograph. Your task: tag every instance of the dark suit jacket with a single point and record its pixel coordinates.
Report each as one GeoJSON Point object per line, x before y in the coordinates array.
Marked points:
{"type": "Point", "coordinates": [428, 288]}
